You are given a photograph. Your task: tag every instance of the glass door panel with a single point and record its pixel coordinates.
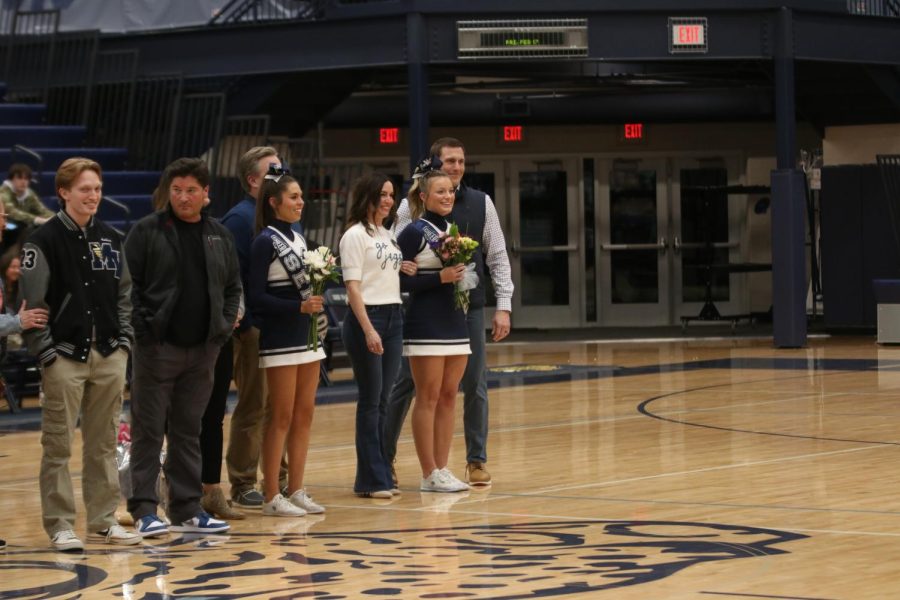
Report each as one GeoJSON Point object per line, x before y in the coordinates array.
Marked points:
{"type": "Point", "coordinates": [545, 249]}
{"type": "Point", "coordinates": [633, 244]}
{"type": "Point", "coordinates": [706, 221]}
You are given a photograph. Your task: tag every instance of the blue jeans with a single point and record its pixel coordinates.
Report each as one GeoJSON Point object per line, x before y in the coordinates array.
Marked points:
{"type": "Point", "coordinates": [475, 404]}
{"type": "Point", "coordinates": [375, 376]}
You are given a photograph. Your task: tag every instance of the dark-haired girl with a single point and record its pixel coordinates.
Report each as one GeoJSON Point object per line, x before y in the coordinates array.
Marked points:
{"type": "Point", "coordinates": [373, 331]}
{"type": "Point", "coordinates": [281, 301]}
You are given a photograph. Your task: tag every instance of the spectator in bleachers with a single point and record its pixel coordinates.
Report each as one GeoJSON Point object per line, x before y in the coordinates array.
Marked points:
{"type": "Point", "coordinates": [248, 419]}
{"type": "Point", "coordinates": [12, 321]}
{"type": "Point", "coordinates": [74, 267]}
{"type": "Point", "coordinates": [187, 295]}
{"type": "Point", "coordinates": [23, 206]}
{"type": "Point", "coordinates": [10, 270]}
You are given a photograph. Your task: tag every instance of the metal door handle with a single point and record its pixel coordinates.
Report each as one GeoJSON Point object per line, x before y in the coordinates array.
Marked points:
{"type": "Point", "coordinates": [662, 244]}
{"type": "Point", "coordinates": [517, 249]}
{"type": "Point", "coordinates": [678, 245]}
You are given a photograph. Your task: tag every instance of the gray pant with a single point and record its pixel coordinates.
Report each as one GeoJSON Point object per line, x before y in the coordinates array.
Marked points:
{"type": "Point", "coordinates": [475, 405]}
{"type": "Point", "coordinates": [169, 393]}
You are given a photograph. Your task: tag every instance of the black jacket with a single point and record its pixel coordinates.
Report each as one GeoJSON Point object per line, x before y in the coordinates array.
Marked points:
{"type": "Point", "coordinates": [154, 259]}
{"type": "Point", "coordinates": [82, 278]}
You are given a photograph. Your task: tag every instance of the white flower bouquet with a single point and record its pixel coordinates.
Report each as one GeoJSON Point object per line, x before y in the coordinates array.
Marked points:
{"type": "Point", "coordinates": [321, 267]}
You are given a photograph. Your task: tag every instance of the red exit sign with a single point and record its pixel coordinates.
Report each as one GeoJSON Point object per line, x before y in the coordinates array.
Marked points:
{"type": "Point", "coordinates": [688, 34]}
{"type": "Point", "coordinates": [389, 135]}
{"type": "Point", "coordinates": [512, 134]}
{"type": "Point", "coordinates": [633, 131]}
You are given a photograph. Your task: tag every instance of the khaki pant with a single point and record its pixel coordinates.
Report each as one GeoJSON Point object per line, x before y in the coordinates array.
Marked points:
{"type": "Point", "coordinates": [93, 389]}
{"type": "Point", "coordinates": [249, 417]}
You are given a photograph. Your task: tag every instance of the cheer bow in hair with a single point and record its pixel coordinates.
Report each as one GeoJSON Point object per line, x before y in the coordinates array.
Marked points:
{"type": "Point", "coordinates": [427, 165]}
{"type": "Point", "coordinates": [276, 172]}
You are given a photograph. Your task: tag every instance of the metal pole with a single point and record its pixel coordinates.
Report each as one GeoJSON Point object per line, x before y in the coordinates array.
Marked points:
{"type": "Point", "coordinates": [417, 71]}
{"type": "Point", "coordinates": [788, 201]}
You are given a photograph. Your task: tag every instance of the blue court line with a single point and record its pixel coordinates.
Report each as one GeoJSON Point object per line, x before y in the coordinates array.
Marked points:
{"type": "Point", "coordinates": [525, 375]}
{"type": "Point", "coordinates": [739, 595]}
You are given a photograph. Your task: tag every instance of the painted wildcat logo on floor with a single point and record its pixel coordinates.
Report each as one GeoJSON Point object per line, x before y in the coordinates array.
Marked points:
{"type": "Point", "coordinates": [528, 560]}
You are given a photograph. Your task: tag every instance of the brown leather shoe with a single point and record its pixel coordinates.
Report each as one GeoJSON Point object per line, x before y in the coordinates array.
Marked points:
{"type": "Point", "coordinates": [476, 474]}
{"type": "Point", "coordinates": [214, 503]}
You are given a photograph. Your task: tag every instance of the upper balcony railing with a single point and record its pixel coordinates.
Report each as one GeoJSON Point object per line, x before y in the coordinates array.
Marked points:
{"type": "Point", "coordinates": [259, 11]}
{"type": "Point", "coordinates": [874, 8]}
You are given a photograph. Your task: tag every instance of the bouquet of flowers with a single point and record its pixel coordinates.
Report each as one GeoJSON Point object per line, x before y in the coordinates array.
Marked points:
{"type": "Point", "coordinates": [321, 266]}
{"type": "Point", "coordinates": [453, 248]}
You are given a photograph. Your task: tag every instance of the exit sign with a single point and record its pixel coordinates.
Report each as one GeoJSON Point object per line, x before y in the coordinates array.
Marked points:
{"type": "Point", "coordinates": [633, 131]}
{"type": "Point", "coordinates": [688, 35]}
{"type": "Point", "coordinates": [512, 134]}
{"type": "Point", "coordinates": [389, 135]}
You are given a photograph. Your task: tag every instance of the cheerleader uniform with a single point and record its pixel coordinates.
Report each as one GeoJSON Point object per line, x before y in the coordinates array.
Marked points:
{"type": "Point", "coordinates": [275, 301]}
{"type": "Point", "coordinates": [433, 326]}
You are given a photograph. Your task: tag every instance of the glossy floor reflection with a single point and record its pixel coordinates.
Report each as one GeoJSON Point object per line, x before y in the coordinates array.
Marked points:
{"type": "Point", "coordinates": [642, 470]}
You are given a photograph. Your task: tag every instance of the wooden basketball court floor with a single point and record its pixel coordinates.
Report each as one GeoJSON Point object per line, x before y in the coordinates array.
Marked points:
{"type": "Point", "coordinates": [689, 469]}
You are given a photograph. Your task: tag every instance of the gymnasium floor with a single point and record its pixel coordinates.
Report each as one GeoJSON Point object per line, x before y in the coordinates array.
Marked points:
{"type": "Point", "coordinates": [659, 469]}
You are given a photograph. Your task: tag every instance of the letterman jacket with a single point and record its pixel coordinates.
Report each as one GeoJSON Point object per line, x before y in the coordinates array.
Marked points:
{"type": "Point", "coordinates": [82, 279]}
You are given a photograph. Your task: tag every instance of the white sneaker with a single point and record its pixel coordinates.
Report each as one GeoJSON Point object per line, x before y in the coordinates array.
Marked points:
{"type": "Point", "coordinates": [116, 535]}
{"type": "Point", "coordinates": [302, 500]}
{"type": "Point", "coordinates": [439, 482]}
{"type": "Point", "coordinates": [282, 507]}
{"type": "Point", "coordinates": [66, 541]}
{"type": "Point", "coordinates": [377, 494]}
{"type": "Point", "coordinates": [456, 481]}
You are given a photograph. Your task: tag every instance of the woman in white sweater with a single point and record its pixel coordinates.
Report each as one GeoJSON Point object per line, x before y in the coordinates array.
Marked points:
{"type": "Point", "coordinates": [373, 330]}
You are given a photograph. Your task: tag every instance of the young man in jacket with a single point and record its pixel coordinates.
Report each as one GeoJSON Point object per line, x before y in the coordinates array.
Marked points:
{"type": "Point", "coordinates": [74, 266]}
{"type": "Point", "coordinates": [187, 293]}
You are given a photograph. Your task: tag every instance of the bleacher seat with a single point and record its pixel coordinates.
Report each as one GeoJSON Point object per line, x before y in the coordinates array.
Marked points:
{"type": "Point", "coordinates": [22, 114]}
{"type": "Point", "coordinates": [34, 136]}
{"type": "Point", "coordinates": [115, 183]}
{"type": "Point", "coordinates": [111, 159]}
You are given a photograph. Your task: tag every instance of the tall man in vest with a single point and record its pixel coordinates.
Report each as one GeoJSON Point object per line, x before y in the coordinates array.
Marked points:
{"type": "Point", "coordinates": [476, 216]}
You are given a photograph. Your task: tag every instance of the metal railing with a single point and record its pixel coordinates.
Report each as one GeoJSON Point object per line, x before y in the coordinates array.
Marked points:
{"type": "Point", "coordinates": [327, 196]}
{"type": "Point", "coordinates": [159, 118]}
{"type": "Point", "coordinates": [259, 11]}
{"type": "Point", "coordinates": [874, 8]}
{"type": "Point", "coordinates": [239, 133]}
{"type": "Point", "coordinates": [28, 54]}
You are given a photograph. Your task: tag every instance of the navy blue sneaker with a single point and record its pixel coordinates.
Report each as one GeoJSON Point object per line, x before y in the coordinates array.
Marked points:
{"type": "Point", "coordinates": [202, 523]}
{"type": "Point", "coordinates": [150, 526]}
{"type": "Point", "coordinates": [248, 498]}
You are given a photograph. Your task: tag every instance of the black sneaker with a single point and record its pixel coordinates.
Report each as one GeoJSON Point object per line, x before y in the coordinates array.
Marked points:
{"type": "Point", "coordinates": [249, 498]}
{"type": "Point", "coordinates": [2, 544]}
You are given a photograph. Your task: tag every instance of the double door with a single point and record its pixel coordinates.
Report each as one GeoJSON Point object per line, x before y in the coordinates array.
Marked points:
{"type": "Point", "coordinates": [616, 241]}
{"type": "Point", "coordinates": [537, 202]}
{"type": "Point", "coordinates": [667, 227]}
